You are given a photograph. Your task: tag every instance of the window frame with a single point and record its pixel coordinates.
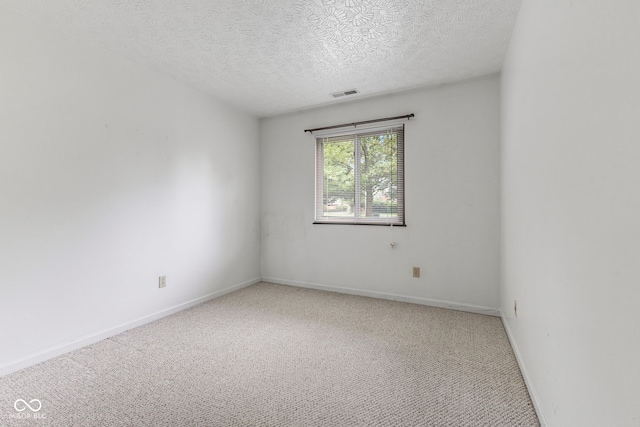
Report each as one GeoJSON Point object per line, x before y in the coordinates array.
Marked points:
{"type": "Point", "coordinates": [355, 134]}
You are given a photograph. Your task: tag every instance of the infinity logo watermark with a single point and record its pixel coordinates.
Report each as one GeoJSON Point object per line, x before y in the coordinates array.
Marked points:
{"type": "Point", "coordinates": [22, 405]}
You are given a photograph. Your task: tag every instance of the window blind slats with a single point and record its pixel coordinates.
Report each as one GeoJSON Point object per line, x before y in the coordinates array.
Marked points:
{"type": "Point", "coordinates": [360, 177]}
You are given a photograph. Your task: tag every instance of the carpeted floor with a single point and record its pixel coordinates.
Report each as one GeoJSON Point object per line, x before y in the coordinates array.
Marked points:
{"type": "Point", "coordinates": [272, 355]}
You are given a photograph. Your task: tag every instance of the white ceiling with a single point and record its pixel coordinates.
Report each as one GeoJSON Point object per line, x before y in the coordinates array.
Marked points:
{"type": "Point", "coordinates": [274, 56]}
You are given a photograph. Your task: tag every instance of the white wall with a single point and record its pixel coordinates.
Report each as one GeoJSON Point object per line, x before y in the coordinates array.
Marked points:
{"type": "Point", "coordinates": [571, 207]}
{"type": "Point", "coordinates": [452, 202]}
{"type": "Point", "coordinates": [111, 175]}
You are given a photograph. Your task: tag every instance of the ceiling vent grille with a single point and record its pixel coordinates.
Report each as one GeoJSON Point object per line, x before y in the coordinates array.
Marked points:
{"type": "Point", "coordinates": [345, 93]}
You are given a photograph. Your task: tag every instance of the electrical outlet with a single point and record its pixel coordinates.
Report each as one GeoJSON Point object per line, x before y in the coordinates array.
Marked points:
{"type": "Point", "coordinates": [515, 308]}
{"type": "Point", "coordinates": [416, 271]}
{"type": "Point", "coordinates": [162, 282]}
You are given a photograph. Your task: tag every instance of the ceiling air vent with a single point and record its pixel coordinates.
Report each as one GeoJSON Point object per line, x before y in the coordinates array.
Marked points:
{"type": "Point", "coordinates": [345, 93]}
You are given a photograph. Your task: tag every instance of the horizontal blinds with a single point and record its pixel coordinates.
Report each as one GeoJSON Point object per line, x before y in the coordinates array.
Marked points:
{"type": "Point", "coordinates": [400, 174]}
{"type": "Point", "coordinates": [360, 177]}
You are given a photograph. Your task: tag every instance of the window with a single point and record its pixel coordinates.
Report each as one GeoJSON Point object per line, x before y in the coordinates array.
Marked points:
{"type": "Point", "coordinates": [360, 177]}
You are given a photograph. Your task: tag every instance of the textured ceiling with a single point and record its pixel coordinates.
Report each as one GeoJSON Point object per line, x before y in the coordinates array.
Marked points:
{"type": "Point", "coordinates": [273, 56]}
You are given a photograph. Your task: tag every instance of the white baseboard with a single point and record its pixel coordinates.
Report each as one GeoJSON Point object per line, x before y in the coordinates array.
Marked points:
{"type": "Point", "coordinates": [525, 374]}
{"type": "Point", "coordinates": [385, 295]}
{"type": "Point", "coordinates": [94, 338]}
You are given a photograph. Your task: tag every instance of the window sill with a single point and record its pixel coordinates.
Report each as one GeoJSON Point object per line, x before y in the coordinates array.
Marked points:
{"type": "Point", "coordinates": [384, 224]}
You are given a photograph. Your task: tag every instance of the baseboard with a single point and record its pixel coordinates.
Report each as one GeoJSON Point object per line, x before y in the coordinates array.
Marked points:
{"type": "Point", "coordinates": [94, 338]}
{"type": "Point", "coordinates": [525, 374]}
{"type": "Point", "coordinates": [385, 295]}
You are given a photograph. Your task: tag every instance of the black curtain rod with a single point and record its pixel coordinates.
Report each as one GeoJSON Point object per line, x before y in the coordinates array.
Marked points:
{"type": "Point", "coordinates": [408, 116]}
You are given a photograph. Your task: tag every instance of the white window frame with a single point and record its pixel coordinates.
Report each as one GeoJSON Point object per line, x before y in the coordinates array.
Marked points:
{"type": "Point", "coordinates": [322, 138]}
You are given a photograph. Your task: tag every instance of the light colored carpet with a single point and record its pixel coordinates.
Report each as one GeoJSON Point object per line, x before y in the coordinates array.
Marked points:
{"type": "Point", "coordinates": [272, 355]}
